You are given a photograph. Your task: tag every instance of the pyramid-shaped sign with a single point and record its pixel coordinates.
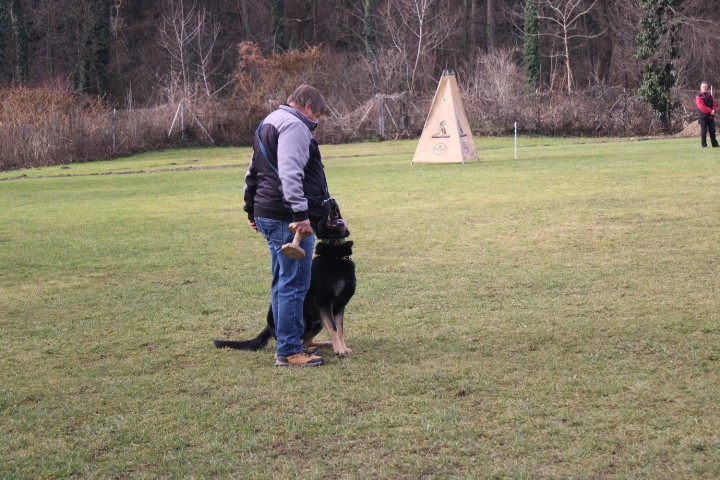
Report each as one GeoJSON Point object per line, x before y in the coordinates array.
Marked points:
{"type": "Point", "coordinates": [446, 137]}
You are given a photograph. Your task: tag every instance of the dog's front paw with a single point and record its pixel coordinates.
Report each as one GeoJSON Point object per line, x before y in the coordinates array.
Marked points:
{"type": "Point", "coordinates": [343, 352]}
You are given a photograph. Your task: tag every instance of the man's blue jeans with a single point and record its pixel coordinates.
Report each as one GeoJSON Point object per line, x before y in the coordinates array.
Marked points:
{"type": "Point", "coordinates": [290, 283]}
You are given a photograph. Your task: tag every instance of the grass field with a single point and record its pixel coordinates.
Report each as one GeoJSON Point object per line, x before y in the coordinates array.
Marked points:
{"type": "Point", "coordinates": [554, 316]}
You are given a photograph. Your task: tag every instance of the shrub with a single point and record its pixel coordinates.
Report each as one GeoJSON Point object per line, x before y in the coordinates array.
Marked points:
{"type": "Point", "coordinates": [41, 127]}
{"type": "Point", "coordinates": [262, 82]}
{"type": "Point", "coordinates": [494, 93]}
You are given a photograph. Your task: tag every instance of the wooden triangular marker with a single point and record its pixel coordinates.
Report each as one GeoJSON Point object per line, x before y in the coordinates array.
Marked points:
{"type": "Point", "coordinates": [446, 137]}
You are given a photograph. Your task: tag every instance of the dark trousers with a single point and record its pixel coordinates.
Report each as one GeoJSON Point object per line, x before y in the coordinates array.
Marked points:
{"type": "Point", "coordinates": [707, 125]}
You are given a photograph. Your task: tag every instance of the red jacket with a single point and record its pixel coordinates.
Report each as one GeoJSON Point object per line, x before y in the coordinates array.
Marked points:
{"type": "Point", "coordinates": [706, 104]}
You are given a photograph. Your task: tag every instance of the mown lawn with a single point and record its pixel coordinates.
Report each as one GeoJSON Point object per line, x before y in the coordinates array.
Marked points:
{"type": "Point", "coordinates": [554, 316]}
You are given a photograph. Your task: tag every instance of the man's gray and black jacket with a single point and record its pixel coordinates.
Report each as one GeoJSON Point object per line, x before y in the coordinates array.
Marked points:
{"type": "Point", "coordinates": [286, 177]}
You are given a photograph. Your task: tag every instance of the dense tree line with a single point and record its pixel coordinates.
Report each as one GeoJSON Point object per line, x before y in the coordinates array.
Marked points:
{"type": "Point", "coordinates": [115, 47]}
{"type": "Point", "coordinates": [150, 53]}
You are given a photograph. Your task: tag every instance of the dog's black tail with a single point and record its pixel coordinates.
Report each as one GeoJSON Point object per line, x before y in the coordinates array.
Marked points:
{"type": "Point", "coordinates": [255, 344]}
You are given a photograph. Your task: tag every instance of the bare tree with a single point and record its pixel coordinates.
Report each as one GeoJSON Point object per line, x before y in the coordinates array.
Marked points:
{"type": "Point", "coordinates": [188, 36]}
{"type": "Point", "coordinates": [620, 20]}
{"type": "Point", "coordinates": [492, 87]}
{"type": "Point", "coordinates": [417, 28]}
{"type": "Point", "coordinates": [20, 34]}
{"type": "Point", "coordinates": [563, 16]}
{"type": "Point", "coordinates": [491, 25]}
{"type": "Point", "coordinates": [700, 37]}
{"type": "Point", "coordinates": [277, 9]}
{"type": "Point", "coordinates": [600, 52]}
{"type": "Point", "coordinates": [386, 70]}
{"type": "Point", "coordinates": [369, 31]}
{"type": "Point", "coordinates": [244, 6]}
{"type": "Point", "coordinates": [470, 22]}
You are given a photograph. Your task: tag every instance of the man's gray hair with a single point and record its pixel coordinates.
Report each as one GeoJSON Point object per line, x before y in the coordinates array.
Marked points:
{"type": "Point", "coordinates": [307, 96]}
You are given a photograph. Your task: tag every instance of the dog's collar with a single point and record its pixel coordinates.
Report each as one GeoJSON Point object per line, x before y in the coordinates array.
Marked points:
{"type": "Point", "coordinates": [338, 241]}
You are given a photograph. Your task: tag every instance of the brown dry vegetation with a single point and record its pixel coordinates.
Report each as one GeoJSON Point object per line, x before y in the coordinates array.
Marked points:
{"type": "Point", "coordinates": [41, 127]}
{"type": "Point", "coordinates": [47, 126]}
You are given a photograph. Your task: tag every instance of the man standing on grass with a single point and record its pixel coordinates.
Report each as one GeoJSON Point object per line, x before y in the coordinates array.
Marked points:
{"type": "Point", "coordinates": [708, 107]}
{"type": "Point", "coordinates": [286, 189]}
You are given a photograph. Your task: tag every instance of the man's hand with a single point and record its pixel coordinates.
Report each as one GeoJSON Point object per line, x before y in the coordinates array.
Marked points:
{"type": "Point", "coordinates": [303, 227]}
{"type": "Point", "coordinates": [252, 225]}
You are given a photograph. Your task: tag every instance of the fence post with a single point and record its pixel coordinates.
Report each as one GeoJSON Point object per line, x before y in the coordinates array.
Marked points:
{"type": "Point", "coordinates": [113, 131]}
{"type": "Point", "coordinates": [381, 120]}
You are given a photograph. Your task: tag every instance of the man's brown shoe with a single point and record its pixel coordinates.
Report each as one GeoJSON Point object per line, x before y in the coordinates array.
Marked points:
{"type": "Point", "coordinates": [301, 359]}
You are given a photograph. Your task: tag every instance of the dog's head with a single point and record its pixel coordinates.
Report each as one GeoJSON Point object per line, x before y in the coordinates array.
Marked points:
{"type": "Point", "coordinates": [332, 226]}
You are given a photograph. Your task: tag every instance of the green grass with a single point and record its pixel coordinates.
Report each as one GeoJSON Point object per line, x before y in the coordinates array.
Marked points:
{"type": "Point", "coordinates": [553, 316]}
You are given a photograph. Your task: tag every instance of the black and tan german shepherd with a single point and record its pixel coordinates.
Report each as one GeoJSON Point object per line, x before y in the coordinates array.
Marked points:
{"type": "Point", "coordinates": [332, 285]}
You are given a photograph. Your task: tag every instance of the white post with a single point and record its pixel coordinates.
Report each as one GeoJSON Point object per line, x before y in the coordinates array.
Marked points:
{"type": "Point", "coordinates": [515, 140]}
{"type": "Point", "coordinates": [381, 120]}
{"type": "Point", "coordinates": [113, 129]}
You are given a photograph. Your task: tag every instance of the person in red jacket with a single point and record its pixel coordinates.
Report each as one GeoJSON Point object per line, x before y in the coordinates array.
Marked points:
{"type": "Point", "coordinates": [708, 107]}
